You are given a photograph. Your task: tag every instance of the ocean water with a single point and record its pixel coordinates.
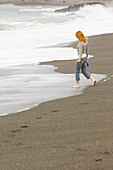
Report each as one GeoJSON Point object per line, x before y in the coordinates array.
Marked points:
{"type": "Point", "coordinates": [33, 34]}
{"type": "Point", "coordinates": [26, 32]}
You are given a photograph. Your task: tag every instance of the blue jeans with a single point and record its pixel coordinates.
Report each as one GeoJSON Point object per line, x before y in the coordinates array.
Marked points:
{"type": "Point", "coordinates": [83, 67]}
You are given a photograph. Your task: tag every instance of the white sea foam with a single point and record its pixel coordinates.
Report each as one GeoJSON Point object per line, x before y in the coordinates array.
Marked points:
{"type": "Point", "coordinates": [24, 29]}
{"type": "Point", "coordinates": [23, 91]}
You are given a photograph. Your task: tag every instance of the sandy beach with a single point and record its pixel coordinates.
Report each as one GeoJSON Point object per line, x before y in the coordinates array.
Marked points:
{"type": "Point", "coordinates": [73, 133]}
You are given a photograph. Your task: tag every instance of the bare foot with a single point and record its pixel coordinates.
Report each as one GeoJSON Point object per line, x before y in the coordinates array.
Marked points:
{"type": "Point", "coordinates": [76, 86]}
{"type": "Point", "coordinates": [94, 82]}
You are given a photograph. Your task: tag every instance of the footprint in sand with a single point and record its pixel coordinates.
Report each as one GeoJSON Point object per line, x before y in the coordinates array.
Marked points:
{"type": "Point", "coordinates": [83, 103]}
{"type": "Point", "coordinates": [4, 141]}
{"type": "Point", "coordinates": [105, 153]}
{"type": "Point", "coordinates": [39, 117]}
{"type": "Point", "coordinates": [98, 160]}
{"type": "Point", "coordinates": [24, 126]}
{"type": "Point", "coordinates": [55, 110]}
{"type": "Point", "coordinates": [14, 131]}
{"type": "Point", "coordinates": [79, 149]}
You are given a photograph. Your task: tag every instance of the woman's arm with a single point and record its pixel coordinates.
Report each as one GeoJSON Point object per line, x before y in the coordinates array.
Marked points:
{"type": "Point", "coordinates": [80, 51]}
{"type": "Point", "coordinates": [87, 52]}
{"type": "Point", "coordinates": [87, 49]}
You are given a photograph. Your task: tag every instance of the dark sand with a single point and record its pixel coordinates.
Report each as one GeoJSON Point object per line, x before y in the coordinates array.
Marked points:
{"type": "Point", "coordinates": [74, 133]}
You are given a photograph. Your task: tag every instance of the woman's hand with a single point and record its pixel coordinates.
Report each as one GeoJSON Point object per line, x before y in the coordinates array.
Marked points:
{"type": "Point", "coordinates": [87, 64]}
{"type": "Point", "coordinates": [79, 61]}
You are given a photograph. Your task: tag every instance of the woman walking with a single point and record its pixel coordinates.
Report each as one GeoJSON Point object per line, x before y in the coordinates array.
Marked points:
{"type": "Point", "coordinates": [81, 62]}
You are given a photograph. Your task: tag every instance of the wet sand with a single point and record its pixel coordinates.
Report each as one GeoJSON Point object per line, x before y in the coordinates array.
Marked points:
{"type": "Point", "coordinates": [65, 134]}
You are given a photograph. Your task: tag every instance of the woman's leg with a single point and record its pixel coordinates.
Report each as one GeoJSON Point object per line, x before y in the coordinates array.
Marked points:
{"type": "Point", "coordinates": [77, 71]}
{"type": "Point", "coordinates": [87, 74]}
{"type": "Point", "coordinates": [77, 75]}
{"type": "Point", "coordinates": [93, 80]}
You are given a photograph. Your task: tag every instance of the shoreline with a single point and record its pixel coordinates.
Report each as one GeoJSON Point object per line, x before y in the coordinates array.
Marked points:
{"type": "Point", "coordinates": [19, 78]}
{"type": "Point", "coordinates": [69, 133]}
